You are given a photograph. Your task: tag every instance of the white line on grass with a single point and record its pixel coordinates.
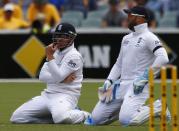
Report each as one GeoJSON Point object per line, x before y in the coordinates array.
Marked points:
{"type": "Point", "coordinates": [30, 80]}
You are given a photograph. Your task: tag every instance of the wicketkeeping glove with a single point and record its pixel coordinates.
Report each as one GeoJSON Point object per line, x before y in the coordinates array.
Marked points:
{"type": "Point", "coordinates": [106, 96]}
{"type": "Point", "coordinates": [105, 92]}
{"type": "Point", "coordinates": [140, 82]}
{"type": "Point", "coordinates": [107, 84]}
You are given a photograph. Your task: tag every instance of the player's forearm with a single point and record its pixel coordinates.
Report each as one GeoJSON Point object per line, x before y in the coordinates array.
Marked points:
{"type": "Point", "coordinates": [46, 77]}
{"type": "Point", "coordinates": [115, 72]}
{"type": "Point", "coordinates": [57, 73]}
{"type": "Point", "coordinates": [116, 69]}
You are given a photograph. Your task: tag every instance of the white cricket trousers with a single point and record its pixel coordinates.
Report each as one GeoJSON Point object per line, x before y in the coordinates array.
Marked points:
{"type": "Point", "coordinates": [124, 108]}
{"type": "Point", "coordinates": [49, 108]}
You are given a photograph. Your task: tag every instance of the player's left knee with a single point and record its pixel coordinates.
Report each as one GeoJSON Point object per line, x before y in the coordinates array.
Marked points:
{"type": "Point", "coordinates": [18, 118]}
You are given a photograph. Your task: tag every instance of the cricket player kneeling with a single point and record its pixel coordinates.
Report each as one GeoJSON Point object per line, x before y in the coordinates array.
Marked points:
{"type": "Point", "coordinates": [63, 75]}
{"type": "Point", "coordinates": [140, 50]}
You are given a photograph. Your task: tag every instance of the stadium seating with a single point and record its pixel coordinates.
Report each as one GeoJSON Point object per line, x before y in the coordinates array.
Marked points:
{"type": "Point", "coordinates": [168, 19]}
{"type": "Point", "coordinates": [91, 22]}
{"type": "Point", "coordinates": [73, 14]}
{"type": "Point", "coordinates": [103, 7]}
{"type": "Point", "coordinates": [97, 14]}
{"type": "Point", "coordinates": [73, 17]}
{"type": "Point", "coordinates": [75, 22]}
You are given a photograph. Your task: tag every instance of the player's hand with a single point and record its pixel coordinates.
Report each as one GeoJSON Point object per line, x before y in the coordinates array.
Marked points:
{"type": "Point", "coordinates": [50, 49]}
{"type": "Point", "coordinates": [140, 83]}
{"type": "Point", "coordinates": [69, 78]}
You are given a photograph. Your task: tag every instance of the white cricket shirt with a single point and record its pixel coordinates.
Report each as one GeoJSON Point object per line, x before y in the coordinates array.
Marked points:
{"type": "Point", "coordinates": [56, 70]}
{"type": "Point", "coordinates": [139, 50]}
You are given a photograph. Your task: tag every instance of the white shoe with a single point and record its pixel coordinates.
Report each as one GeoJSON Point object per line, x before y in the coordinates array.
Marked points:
{"type": "Point", "coordinates": [86, 114]}
{"type": "Point", "coordinates": [157, 110]}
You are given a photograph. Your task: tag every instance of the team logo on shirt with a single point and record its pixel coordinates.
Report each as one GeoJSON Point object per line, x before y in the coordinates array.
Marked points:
{"type": "Point", "coordinates": [137, 45]}
{"type": "Point", "coordinates": [72, 64]}
{"type": "Point", "coordinates": [139, 40]}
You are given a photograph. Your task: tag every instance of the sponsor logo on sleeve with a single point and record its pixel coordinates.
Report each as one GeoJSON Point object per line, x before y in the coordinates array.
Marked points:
{"type": "Point", "coordinates": [72, 64]}
{"type": "Point", "coordinates": [157, 42]}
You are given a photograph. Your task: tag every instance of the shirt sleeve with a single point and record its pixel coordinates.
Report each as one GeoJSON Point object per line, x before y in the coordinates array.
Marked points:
{"type": "Point", "coordinates": [161, 56]}
{"type": "Point", "coordinates": [45, 75]}
{"type": "Point", "coordinates": [70, 65]}
{"type": "Point", "coordinates": [153, 43]}
{"type": "Point", "coordinates": [116, 69]}
{"type": "Point", "coordinates": [160, 60]}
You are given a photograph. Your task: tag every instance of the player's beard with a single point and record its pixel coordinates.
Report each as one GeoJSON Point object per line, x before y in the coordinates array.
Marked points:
{"type": "Point", "coordinates": [131, 24]}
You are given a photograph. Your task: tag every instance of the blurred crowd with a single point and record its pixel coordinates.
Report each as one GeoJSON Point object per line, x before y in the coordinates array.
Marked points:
{"type": "Point", "coordinates": [41, 15]}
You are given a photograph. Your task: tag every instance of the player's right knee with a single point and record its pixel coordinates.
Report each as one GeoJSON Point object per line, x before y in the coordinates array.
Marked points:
{"type": "Point", "coordinates": [97, 120]}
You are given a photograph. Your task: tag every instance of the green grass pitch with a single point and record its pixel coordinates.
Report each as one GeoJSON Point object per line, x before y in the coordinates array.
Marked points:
{"type": "Point", "coordinates": [13, 95]}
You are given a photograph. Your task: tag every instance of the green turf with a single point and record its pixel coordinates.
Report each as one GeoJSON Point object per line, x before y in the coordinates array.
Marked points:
{"type": "Point", "coordinates": [13, 95]}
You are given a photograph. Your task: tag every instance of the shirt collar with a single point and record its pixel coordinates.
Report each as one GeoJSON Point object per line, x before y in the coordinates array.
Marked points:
{"type": "Point", "coordinates": [140, 28]}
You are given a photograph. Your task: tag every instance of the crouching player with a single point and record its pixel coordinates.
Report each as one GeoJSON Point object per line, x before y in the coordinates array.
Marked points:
{"type": "Point", "coordinates": [124, 99]}
{"type": "Point", "coordinates": [63, 75]}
